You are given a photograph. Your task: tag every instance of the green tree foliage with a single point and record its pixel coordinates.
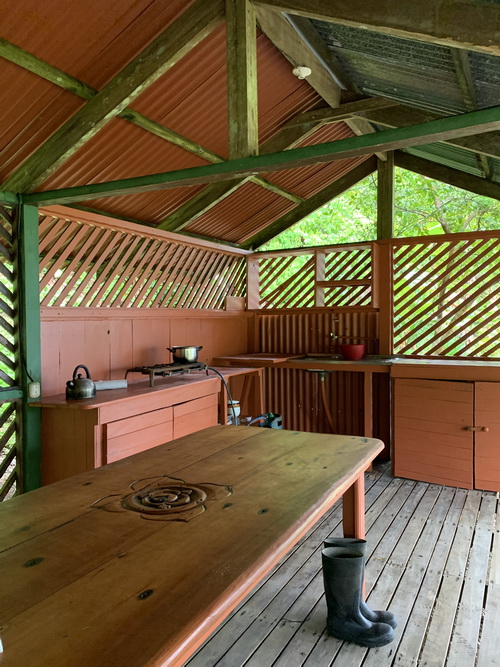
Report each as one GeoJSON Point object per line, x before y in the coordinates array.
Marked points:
{"type": "Point", "coordinates": [422, 207]}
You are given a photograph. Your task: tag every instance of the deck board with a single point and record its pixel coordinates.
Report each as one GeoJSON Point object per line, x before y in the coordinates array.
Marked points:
{"type": "Point", "coordinates": [433, 559]}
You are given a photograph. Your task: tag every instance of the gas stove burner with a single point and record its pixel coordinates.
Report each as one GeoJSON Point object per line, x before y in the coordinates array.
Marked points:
{"type": "Point", "coordinates": [165, 499]}
{"type": "Point", "coordinates": [165, 370]}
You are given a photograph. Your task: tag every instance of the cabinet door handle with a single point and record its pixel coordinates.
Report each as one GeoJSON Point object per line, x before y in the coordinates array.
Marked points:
{"type": "Point", "coordinates": [484, 429]}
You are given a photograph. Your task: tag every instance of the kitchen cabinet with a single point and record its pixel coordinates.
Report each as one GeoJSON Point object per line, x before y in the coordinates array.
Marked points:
{"type": "Point", "coordinates": [78, 436]}
{"type": "Point", "coordinates": [447, 432]}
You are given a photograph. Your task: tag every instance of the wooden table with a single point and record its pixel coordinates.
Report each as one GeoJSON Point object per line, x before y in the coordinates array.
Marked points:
{"type": "Point", "coordinates": [87, 586]}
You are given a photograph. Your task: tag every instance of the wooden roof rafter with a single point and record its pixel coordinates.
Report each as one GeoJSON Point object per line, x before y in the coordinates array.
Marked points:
{"type": "Point", "coordinates": [67, 82]}
{"type": "Point", "coordinates": [169, 47]}
{"type": "Point", "coordinates": [298, 40]}
{"type": "Point", "coordinates": [312, 204]}
{"type": "Point", "coordinates": [294, 132]}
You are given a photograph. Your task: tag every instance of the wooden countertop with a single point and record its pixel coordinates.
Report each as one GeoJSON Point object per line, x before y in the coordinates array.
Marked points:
{"type": "Point", "coordinates": [446, 369]}
{"type": "Point", "coordinates": [137, 388]}
{"type": "Point", "coordinates": [370, 364]}
{"type": "Point", "coordinates": [85, 586]}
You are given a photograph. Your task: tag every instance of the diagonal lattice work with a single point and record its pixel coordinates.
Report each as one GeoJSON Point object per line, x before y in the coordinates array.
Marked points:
{"type": "Point", "coordinates": [447, 298]}
{"type": "Point", "coordinates": [348, 272]}
{"type": "Point", "coordinates": [287, 281]}
{"type": "Point", "coordinates": [327, 277]}
{"type": "Point", "coordinates": [86, 265]}
{"type": "Point", "coordinates": [9, 480]}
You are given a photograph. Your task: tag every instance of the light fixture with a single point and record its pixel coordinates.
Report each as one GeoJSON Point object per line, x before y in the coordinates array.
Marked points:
{"type": "Point", "coordinates": [301, 71]}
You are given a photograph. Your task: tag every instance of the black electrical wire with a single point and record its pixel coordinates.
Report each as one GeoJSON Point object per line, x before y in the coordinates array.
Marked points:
{"type": "Point", "coordinates": [227, 389]}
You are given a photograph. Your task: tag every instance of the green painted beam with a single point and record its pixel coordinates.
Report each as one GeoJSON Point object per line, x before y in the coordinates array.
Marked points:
{"type": "Point", "coordinates": [484, 144]}
{"type": "Point", "coordinates": [475, 122]}
{"type": "Point", "coordinates": [157, 58]}
{"type": "Point", "coordinates": [8, 198]}
{"type": "Point", "coordinates": [312, 204]}
{"type": "Point", "coordinates": [29, 342]}
{"type": "Point", "coordinates": [10, 395]}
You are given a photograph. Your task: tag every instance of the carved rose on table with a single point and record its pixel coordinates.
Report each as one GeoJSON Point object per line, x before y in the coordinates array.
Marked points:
{"type": "Point", "coordinates": [164, 498]}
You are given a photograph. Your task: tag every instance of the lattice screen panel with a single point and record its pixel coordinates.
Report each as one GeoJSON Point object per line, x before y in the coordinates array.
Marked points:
{"type": "Point", "coordinates": [352, 269]}
{"type": "Point", "coordinates": [447, 298]}
{"type": "Point", "coordinates": [287, 281]}
{"type": "Point", "coordinates": [331, 277]}
{"type": "Point", "coordinates": [85, 265]}
{"type": "Point", "coordinates": [8, 359]}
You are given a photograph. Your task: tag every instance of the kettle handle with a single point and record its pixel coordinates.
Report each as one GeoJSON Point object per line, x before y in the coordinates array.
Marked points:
{"type": "Point", "coordinates": [84, 368]}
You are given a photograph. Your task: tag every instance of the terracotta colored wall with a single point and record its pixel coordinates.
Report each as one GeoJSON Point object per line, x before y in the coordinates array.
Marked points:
{"type": "Point", "coordinates": [109, 341]}
{"type": "Point", "coordinates": [296, 393]}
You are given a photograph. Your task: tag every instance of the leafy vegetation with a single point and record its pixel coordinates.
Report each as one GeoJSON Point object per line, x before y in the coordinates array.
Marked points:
{"type": "Point", "coordinates": [422, 207]}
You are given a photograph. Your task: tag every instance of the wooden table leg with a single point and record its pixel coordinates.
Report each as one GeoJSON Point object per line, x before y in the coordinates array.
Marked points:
{"type": "Point", "coordinates": [353, 509]}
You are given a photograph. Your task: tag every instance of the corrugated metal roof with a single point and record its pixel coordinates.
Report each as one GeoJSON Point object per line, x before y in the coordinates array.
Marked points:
{"type": "Point", "coordinates": [450, 156]}
{"type": "Point", "coordinates": [94, 40]}
{"type": "Point", "coordinates": [412, 72]}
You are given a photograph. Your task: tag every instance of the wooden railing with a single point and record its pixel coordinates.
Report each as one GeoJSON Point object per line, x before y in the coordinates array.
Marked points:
{"type": "Point", "coordinates": [88, 260]}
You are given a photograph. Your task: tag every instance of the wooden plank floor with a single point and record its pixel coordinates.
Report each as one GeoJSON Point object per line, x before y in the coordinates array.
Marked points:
{"type": "Point", "coordinates": [433, 560]}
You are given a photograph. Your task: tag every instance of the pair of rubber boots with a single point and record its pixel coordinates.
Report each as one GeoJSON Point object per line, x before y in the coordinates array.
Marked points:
{"type": "Point", "coordinates": [349, 617]}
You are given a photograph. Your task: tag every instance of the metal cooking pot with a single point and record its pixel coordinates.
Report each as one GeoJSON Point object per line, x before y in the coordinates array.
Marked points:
{"type": "Point", "coordinates": [185, 354]}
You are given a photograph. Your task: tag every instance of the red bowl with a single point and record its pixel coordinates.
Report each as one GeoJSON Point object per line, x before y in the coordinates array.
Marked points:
{"type": "Point", "coordinates": [352, 352]}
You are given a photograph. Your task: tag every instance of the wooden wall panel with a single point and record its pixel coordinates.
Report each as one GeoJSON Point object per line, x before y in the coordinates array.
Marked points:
{"type": "Point", "coordinates": [112, 340]}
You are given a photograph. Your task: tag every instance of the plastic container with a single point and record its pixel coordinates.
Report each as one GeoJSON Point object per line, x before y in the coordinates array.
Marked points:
{"type": "Point", "coordinates": [352, 352]}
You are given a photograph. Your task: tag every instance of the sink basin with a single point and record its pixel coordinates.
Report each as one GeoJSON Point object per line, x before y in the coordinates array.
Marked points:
{"type": "Point", "coordinates": [319, 357]}
{"type": "Point", "coordinates": [326, 358]}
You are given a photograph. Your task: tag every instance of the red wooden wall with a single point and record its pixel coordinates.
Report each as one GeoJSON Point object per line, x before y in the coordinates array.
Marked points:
{"type": "Point", "coordinates": [109, 341]}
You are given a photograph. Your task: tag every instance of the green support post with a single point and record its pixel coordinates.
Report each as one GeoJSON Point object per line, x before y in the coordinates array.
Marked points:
{"type": "Point", "coordinates": [29, 342]}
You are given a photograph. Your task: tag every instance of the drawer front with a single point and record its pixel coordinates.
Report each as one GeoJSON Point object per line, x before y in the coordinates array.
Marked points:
{"type": "Point", "coordinates": [195, 415]}
{"type": "Point", "coordinates": [136, 434]}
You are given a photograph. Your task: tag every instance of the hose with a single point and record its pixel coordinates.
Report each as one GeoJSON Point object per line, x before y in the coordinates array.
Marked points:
{"type": "Point", "coordinates": [226, 386]}
{"type": "Point", "coordinates": [329, 417]}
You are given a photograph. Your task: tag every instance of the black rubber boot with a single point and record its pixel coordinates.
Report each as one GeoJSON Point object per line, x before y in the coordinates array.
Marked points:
{"type": "Point", "coordinates": [343, 573]}
{"type": "Point", "coordinates": [360, 546]}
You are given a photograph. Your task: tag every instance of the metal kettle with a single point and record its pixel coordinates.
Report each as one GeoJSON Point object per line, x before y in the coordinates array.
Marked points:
{"type": "Point", "coordinates": [80, 387]}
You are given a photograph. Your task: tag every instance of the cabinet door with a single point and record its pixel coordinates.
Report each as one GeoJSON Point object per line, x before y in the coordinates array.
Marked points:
{"type": "Point", "coordinates": [430, 440]}
{"type": "Point", "coordinates": [487, 450]}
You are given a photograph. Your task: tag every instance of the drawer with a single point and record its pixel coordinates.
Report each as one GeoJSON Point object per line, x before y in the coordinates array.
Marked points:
{"type": "Point", "coordinates": [195, 415]}
{"type": "Point", "coordinates": [136, 434]}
